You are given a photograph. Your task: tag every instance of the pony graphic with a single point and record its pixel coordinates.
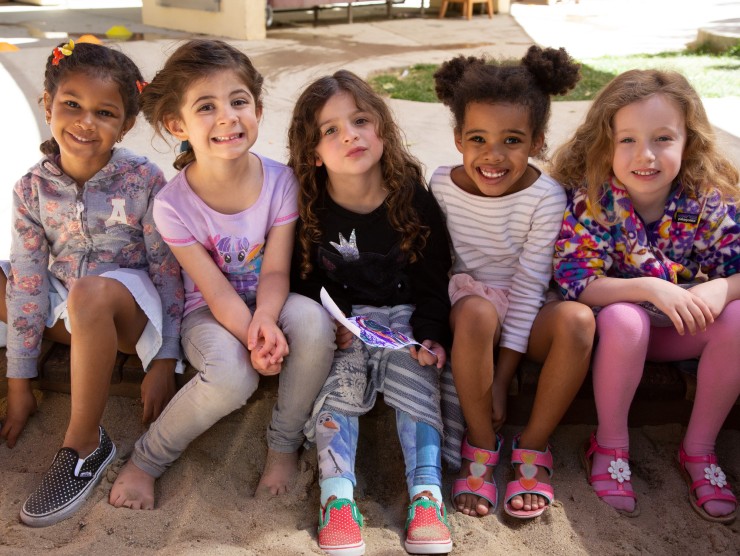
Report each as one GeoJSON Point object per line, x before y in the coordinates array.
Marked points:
{"type": "Point", "coordinates": [238, 261]}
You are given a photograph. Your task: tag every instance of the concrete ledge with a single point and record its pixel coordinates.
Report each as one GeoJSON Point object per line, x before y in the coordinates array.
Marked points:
{"type": "Point", "coordinates": [236, 19]}
{"type": "Point", "coordinates": [665, 395]}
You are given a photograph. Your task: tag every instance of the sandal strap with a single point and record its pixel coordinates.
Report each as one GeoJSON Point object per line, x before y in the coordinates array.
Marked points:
{"type": "Point", "coordinates": [525, 456]}
{"type": "Point", "coordinates": [616, 453]}
{"type": "Point", "coordinates": [709, 459]}
{"type": "Point", "coordinates": [487, 491]}
{"type": "Point", "coordinates": [515, 488]}
{"type": "Point", "coordinates": [488, 458]}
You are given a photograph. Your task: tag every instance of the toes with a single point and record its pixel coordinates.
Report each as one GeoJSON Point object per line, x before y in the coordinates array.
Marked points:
{"type": "Point", "coordinates": [517, 503]}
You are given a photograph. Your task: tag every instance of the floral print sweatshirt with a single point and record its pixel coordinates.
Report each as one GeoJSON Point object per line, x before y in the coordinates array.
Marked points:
{"type": "Point", "coordinates": [68, 231]}
{"type": "Point", "coordinates": [695, 234]}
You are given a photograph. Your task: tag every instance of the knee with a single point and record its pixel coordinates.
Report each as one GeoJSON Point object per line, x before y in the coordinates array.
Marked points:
{"type": "Point", "coordinates": [475, 316]}
{"type": "Point", "coordinates": [233, 384]}
{"type": "Point", "coordinates": [726, 327]}
{"type": "Point", "coordinates": [90, 295]}
{"type": "Point", "coordinates": [623, 319]}
{"type": "Point", "coordinates": [224, 369]}
{"type": "Point", "coordinates": [305, 322]}
{"type": "Point", "coordinates": [576, 324]}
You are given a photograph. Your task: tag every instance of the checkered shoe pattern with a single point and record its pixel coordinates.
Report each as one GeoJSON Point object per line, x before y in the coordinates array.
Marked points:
{"type": "Point", "coordinates": [67, 484]}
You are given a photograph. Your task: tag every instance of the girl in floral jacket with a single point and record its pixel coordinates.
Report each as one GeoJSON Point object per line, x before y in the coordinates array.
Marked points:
{"type": "Point", "coordinates": [87, 268]}
{"type": "Point", "coordinates": [650, 241]}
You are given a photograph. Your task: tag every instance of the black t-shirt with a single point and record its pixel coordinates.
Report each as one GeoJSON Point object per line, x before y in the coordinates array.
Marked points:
{"type": "Point", "coordinates": [359, 262]}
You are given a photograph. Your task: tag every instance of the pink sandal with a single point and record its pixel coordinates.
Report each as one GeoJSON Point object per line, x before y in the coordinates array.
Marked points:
{"type": "Point", "coordinates": [713, 475]}
{"type": "Point", "coordinates": [474, 483]}
{"type": "Point", "coordinates": [529, 461]}
{"type": "Point", "coordinates": [620, 474]}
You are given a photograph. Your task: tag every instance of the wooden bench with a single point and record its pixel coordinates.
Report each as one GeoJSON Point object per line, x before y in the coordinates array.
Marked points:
{"type": "Point", "coordinates": [665, 395]}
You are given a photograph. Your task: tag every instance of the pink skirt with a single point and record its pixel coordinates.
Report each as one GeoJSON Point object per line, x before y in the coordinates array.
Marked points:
{"type": "Point", "coordinates": [463, 285]}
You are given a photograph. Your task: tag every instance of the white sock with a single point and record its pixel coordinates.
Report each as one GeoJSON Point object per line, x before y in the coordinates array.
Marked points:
{"type": "Point", "coordinates": [336, 486]}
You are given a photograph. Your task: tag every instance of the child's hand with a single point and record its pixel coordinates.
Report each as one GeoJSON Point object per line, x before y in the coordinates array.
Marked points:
{"type": "Point", "coordinates": [157, 388]}
{"type": "Point", "coordinates": [21, 405]}
{"type": "Point", "coordinates": [714, 293]}
{"type": "Point", "coordinates": [261, 360]}
{"type": "Point", "coordinates": [439, 357]}
{"type": "Point", "coordinates": [684, 308]}
{"type": "Point", "coordinates": [344, 337]}
{"type": "Point", "coordinates": [265, 337]}
{"type": "Point", "coordinates": [267, 344]}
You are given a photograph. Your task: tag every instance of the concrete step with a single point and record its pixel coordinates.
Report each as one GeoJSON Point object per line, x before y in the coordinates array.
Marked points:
{"type": "Point", "coordinates": [665, 394]}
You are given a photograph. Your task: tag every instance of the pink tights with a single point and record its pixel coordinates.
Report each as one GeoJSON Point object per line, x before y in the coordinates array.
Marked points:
{"type": "Point", "coordinates": [626, 341]}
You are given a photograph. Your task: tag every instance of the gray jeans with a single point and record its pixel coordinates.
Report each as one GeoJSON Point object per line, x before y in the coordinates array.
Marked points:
{"type": "Point", "coordinates": [226, 379]}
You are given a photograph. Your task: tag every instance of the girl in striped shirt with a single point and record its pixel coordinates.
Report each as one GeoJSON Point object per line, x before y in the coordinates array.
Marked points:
{"type": "Point", "coordinates": [504, 215]}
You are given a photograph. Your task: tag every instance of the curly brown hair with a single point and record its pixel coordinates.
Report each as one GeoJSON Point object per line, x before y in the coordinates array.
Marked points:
{"type": "Point", "coordinates": [529, 82]}
{"type": "Point", "coordinates": [401, 171]}
{"type": "Point", "coordinates": [586, 159]}
{"type": "Point", "coordinates": [193, 61]}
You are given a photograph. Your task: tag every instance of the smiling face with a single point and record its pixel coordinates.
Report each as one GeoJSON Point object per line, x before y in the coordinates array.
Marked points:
{"type": "Point", "coordinates": [87, 117]}
{"type": "Point", "coordinates": [218, 116]}
{"type": "Point", "coordinates": [649, 139]}
{"type": "Point", "coordinates": [349, 145]}
{"type": "Point", "coordinates": [496, 142]}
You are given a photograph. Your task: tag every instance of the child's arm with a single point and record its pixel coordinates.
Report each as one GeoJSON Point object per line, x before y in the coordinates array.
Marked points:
{"type": "Point", "coordinates": [265, 339]}
{"type": "Point", "coordinates": [27, 304]}
{"type": "Point", "coordinates": [718, 292]}
{"type": "Point", "coordinates": [157, 388]}
{"type": "Point", "coordinates": [158, 385]}
{"type": "Point", "coordinates": [225, 304]}
{"type": "Point", "coordinates": [683, 308]}
{"type": "Point", "coordinates": [533, 269]}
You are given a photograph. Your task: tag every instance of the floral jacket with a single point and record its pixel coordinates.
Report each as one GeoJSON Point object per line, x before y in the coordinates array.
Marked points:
{"type": "Point", "coordinates": [695, 234]}
{"type": "Point", "coordinates": [70, 232]}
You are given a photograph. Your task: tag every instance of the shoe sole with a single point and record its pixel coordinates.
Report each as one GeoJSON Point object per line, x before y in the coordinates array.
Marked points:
{"type": "Point", "coordinates": [351, 550]}
{"type": "Point", "coordinates": [74, 504]}
{"type": "Point", "coordinates": [428, 548]}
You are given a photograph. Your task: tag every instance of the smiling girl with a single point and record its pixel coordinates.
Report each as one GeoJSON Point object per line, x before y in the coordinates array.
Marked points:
{"type": "Point", "coordinates": [87, 268]}
{"type": "Point", "coordinates": [650, 240]}
{"type": "Point", "coordinates": [503, 215]}
{"type": "Point", "coordinates": [229, 217]}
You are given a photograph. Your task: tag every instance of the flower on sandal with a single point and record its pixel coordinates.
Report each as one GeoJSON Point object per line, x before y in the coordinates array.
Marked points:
{"type": "Point", "coordinates": [715, 475]}
{"type": "Point", "coordinates": [620, 470]}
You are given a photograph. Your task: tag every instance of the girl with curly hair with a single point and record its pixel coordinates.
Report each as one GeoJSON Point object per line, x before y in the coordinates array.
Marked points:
{"type": "Point", "coordinates": [373, 237]}
{"type": "Point", "coordinates": [650, 240]}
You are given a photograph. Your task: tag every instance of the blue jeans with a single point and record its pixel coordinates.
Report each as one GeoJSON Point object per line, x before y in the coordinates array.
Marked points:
{"type": "Point", "coordinates": [336, 442]}
{"type": "Point", "coordinates": [226, 380]}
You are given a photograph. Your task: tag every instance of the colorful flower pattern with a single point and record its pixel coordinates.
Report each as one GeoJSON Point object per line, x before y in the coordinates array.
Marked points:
{"type": "Point", "coordinates": [68, 231]}
{"type": "Point", "coordinates": [695, 235]}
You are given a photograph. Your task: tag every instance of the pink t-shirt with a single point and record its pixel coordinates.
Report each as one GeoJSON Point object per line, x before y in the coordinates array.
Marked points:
{"type": "Point", "coordinates": [236, 242]}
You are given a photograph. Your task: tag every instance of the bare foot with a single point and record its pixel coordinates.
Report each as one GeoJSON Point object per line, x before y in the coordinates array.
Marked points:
{"type": "Point", "coordinates": [530, 502]}
{"type": "Point", "coordinates": [21, 405]}
{"type": "Point", "coordinates": [280, 470]}
{"type": "Point", "coordinates": [470, 504]}
{"type": "Point", "coordinates": [133, 488]}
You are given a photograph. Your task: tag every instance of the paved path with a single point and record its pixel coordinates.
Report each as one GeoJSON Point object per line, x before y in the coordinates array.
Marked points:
{"type": "Point", "coordinates": [292, 56]}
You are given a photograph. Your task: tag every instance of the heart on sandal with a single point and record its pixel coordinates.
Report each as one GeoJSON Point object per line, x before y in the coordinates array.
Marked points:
{"type": "Point", "coordinates": [474, 483]}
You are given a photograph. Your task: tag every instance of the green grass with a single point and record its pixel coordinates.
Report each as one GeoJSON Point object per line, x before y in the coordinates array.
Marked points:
{"type": "Point", "coordinates": [713, 75]}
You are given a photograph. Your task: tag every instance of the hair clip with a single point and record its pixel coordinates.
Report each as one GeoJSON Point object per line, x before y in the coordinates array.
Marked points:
{"type": "Point", "coordinates": [62, 51]}
{"type": "Point", "coordinates": [140, 85]}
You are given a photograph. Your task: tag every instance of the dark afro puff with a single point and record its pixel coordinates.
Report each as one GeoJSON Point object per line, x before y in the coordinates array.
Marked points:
{"type": "Point", "coordinates": [554, 70]}
{"type": "Point", "coordinates": [450, 74]}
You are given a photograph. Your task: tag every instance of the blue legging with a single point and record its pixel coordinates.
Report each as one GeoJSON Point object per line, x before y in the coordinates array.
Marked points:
{"type": "Point", "coordinates": [336, 442]}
